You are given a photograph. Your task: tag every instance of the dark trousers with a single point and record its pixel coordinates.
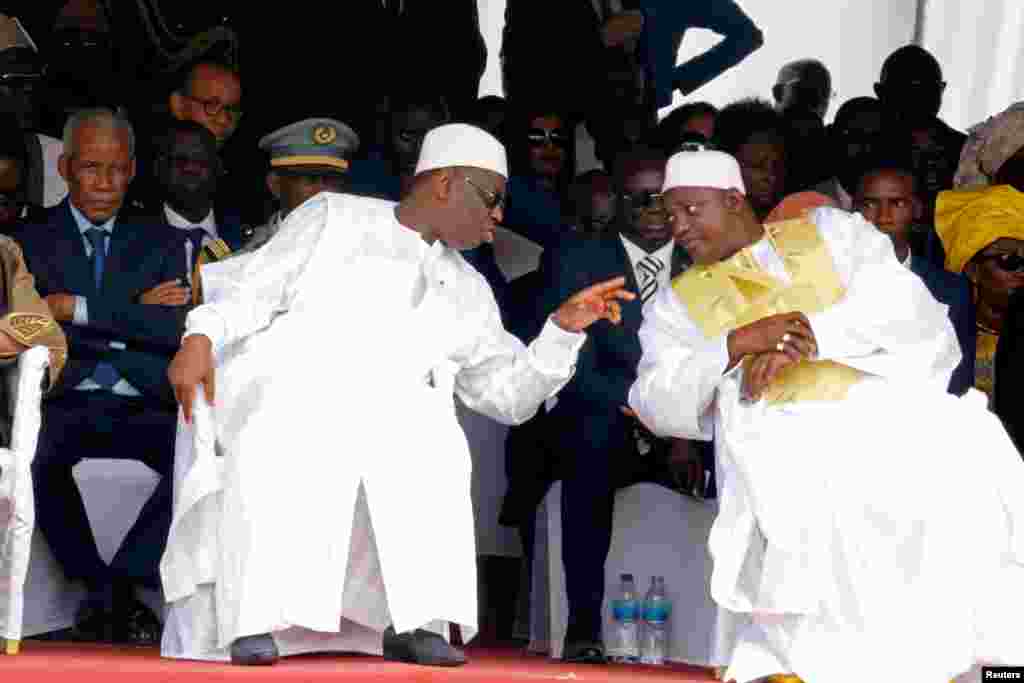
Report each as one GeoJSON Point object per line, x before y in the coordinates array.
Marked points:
{"type": "Point", "coordinates": [596, 465]}
{"type": "Point", "coordinates": [98, 424]}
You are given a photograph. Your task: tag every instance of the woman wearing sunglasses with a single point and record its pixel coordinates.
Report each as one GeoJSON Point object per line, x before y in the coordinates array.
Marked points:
{"type": "Point", "coordinates": [983, 235]}
{"type": "Point", "coordinates": [541, 143]}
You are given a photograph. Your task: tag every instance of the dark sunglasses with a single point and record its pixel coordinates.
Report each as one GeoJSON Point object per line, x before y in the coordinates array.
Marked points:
{"type": "Point", "coordinates": [645, 201]}
{"type": "Point", "coordinates": [539, 137]}
{"type": "Point", "coordinates": [1010, 263]}
{"type": "Point", "coordinates": [491, 200]}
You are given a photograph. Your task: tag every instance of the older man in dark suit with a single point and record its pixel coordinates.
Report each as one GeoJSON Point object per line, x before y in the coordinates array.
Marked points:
{"type": "Point", "coordinates": [599, 445]}
{"type": "Point", "coordinates": [116, 291]}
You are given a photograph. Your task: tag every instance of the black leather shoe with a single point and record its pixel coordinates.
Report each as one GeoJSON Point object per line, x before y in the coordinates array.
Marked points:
{"type": "Point", "coordinates": [258, 650]}
{"type": "Point", "coordinates": [135, 624]}
{"type": "Point", "coordinates": [94, 622]}
{"type": "Point", "coordinates": [584, 652]}
{"type": "Point", "coordinates": [421, 647]}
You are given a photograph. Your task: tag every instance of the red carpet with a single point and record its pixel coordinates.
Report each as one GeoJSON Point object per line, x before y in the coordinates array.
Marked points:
{"type": "Point", "coordinates": [44, 662]}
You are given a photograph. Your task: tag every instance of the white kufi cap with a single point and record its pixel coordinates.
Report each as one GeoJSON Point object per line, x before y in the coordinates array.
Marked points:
{"type": "Point", "coordinates": [703, 169]}
{"type": "Point", "coordinates": [459, 144]}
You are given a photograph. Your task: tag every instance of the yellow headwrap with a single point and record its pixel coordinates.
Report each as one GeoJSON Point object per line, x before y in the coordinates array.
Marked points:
{"type": "Point", "coordinates": [967, 221]}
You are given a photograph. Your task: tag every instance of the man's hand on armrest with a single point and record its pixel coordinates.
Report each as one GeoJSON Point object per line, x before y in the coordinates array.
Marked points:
{"type": "Point", "coordinates": [191, 366]}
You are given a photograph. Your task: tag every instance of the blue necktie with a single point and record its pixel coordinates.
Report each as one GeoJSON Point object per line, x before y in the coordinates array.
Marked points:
{"type": "Point", "coordinates": [105, 374]}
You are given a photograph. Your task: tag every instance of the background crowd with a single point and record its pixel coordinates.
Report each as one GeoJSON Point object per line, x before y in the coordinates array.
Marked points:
{"type": "Point", "coordinates": [180, 157]}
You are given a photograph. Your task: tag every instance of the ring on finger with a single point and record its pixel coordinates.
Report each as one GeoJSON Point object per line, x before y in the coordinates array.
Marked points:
{"type": "Point", "coordinates": [786, 337]}
{"type": "Point", "coordinates": [780, 347]}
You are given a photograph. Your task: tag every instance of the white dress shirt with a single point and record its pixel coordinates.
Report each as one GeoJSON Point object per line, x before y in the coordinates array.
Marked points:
{"type": "Point", "coordinates": [209, 223]}
{"type": "Point", "coordinates": [662, 253]}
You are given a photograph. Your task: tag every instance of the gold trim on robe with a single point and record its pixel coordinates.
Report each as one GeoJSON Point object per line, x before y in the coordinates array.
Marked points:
{"type": "Point", "coordinates": [29, 321]}
{"type": "Point", "coordinates": [212, 251]}
{"type": "Point", "coordinates": [738, 291]}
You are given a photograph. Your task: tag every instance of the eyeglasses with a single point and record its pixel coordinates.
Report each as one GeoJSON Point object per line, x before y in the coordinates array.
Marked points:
{"type": "Point", "coordinates": [215, 107]}
{"type": "Point", "coordinates": [645, 201]}
{"type": "Point", "coordinates": [491, 200]}
{"type": "Point", "coordinates": [1010, 263]}
{"type": "Point", "coordinates": [539, 137]}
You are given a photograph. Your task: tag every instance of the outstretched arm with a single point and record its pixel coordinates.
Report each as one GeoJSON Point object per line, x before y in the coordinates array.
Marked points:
{"type": "Point", "coordinates": [502, 378]}
{"type": "Point", "coordinates": [740, 38]}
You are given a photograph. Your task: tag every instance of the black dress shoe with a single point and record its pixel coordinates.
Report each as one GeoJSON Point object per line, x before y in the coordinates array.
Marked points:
{"type": "Point", "coordinates": [421, 647]}
{"type": "Point", "coordinates": [94, 622]}
{"type": "Point", "coordinates": [584, 652]}
{"type": "Point", "coordinates": [135, 624]}
{"type": "Point", "coordinates": [258, 650]}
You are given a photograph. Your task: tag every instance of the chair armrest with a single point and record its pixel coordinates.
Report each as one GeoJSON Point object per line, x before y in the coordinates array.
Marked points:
{"type": "Point", "coordinates": [25, 394]}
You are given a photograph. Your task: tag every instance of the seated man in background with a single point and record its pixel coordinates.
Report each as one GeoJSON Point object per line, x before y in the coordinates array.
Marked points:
{"type": "Point", "coordinates": [210, 95]}
{"type": "Point", "coordinates": [887, 196]}
{"type": "Point", "coordinates": [756, 135]}
{"type": "Point", "coordinates": [306, 158]}
{"type": "Point", "coordinates": [187, 169]}
{"type": "Point", "coordinates": [857, 135]}
{"type": "Point", "coordinates": [115, 288]}
{"type": "Point", "coordinates": [601, 447]}
{"type": "Point", "coordinates": [803, 85]}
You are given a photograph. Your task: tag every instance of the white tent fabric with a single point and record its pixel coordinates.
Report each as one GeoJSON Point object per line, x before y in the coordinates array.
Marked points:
{"type": "Point", "coordinates": [981, 48]}
{"type": "Point", "coordinates": [852, 37]}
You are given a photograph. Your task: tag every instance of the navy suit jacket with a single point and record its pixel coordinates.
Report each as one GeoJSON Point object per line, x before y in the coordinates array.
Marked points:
{"type": "Point", "coordinates": [954, 290]}
{"type": "Point", "coordinates": [138, 259]}
{"type": "Point", "coordinates": [607, 364]}
{"type": "Point", "coordinates": [230, 227]}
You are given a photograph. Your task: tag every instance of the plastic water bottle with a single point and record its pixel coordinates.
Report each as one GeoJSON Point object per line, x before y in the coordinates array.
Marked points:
{"type": "Point", "coordinates": [625, 619]}
{"type": "Point", "coordinates": [657, 609]}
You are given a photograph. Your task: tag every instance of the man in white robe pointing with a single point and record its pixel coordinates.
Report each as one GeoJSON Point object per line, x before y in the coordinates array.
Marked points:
{"type": "Point", "coordinates": [346, 521]}
{"type": "Point", "coordinates": [869, 525]}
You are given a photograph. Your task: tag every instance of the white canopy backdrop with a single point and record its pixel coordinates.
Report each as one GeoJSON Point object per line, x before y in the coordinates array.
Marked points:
{"type": "Point", "coordinates": [979, 44]}
{"type": "Point", "coordinates": [981, 48]}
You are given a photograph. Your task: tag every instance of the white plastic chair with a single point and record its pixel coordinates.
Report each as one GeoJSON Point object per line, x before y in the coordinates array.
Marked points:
{"type": "Point", "coordinates": [655, 532]}
{"type": "Point", "coordinates": [17, 506]}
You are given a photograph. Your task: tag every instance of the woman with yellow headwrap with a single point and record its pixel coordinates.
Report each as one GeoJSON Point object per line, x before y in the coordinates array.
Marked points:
{"type": "Point", "coordinates": [983, 234]}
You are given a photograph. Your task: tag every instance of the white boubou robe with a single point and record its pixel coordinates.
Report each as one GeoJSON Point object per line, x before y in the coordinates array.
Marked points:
{"type": "Point", "coordinates": [329, 496]}
{"type": "Point", "coordinates": [873, 538]}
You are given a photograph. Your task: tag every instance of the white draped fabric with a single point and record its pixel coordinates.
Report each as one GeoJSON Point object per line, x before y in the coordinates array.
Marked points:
{"type": "Point", "coordinates": [880, 534]}
{"type": "Point", "coordinates": [17, 504]}
{"type": "Point", "coordinates": [981, 48]}
{"type": "Point", "coordinates": [329, 495]}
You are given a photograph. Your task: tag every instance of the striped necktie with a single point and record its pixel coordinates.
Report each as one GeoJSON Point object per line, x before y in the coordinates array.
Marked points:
{"type": "Point", "coordinates": [649, 267]}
